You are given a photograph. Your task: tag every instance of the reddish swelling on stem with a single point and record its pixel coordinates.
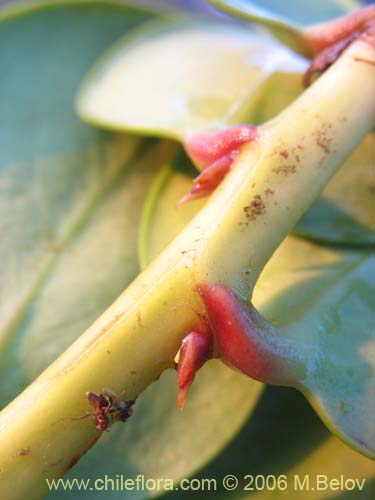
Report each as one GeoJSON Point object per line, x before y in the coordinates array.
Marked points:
{"type": "Point", "coordinates": [231, 333]}
{"type": "Point", "coordinates": [317, 38]}
{"type": "Point", "coordinates": [214, 153]}
{"type": "Point", "coordinates": [207, 147]}
{"type": "Point", "coordinates": [196, 349]}
{"type": "Point", "coordinates": [326, 42]}
{"type": "Point", "coordinates": [237, 335]}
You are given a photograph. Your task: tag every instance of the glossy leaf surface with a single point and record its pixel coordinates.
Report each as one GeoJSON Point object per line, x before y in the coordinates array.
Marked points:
{"type": "Point", "coordinates": [286, 19]}
{"type": "Point", "coordinates": [285, 427]}
{"type": "Point", "coordinates": [322, 299]}
{"type": "Point", "coordinates": [179, 77]}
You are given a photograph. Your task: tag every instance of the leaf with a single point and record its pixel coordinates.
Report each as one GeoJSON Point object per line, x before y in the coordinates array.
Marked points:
{"type": "Point", "coordinates": [70, 205]}
{"type": "Point", "coordinates": [319, 297]}
{"type": "Point", "coordinates": [56, 176]}
{"type": "Point", "coordinates": [162, 220]}
{"type": "Point", "coordinates": [286, 19]}
{"type": "Point", "coordinates": [178, 77]}
{"type": "Point", "coordinates": [284, 437]}
{"type": "Point", "coordinates": [322, 299]}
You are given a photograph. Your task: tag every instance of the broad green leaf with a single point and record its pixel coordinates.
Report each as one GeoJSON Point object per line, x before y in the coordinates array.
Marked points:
{"type": "Point", "coordinates": [57, 175]}
{"type": "Point", "coordinates": [284, 437]}
{"type": "Point", "coordinates": [70, 204]}
{"type": "Point", "coordinates": [320, 297]}
{"type": "Point", "coordinates": [178, 77]}
{"type": "Point", "coordinates": [287, 18]}
{"type": "Point", "coordinates": [162, 220]}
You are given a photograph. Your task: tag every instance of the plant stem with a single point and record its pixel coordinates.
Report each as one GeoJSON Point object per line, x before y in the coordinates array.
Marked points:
{"type": "Point", "coordinates": [272, 183]}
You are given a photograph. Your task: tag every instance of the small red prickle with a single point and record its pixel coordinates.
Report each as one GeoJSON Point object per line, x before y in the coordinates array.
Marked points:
{"type": "Point", "coordinates": [214, 153]}
{"type": "Point", "coordinates": [196, 349]}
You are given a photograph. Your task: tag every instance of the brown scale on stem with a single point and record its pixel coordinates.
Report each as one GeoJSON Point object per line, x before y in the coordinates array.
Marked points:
{"type": "Point", "coordinates": [256, 207]}
{"type": "Point", "coordinates": [107, 409]}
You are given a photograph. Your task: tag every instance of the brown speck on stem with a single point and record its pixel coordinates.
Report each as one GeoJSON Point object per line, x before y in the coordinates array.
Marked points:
{"type": "Point", "coordinates": [284, 153]}
{"type": "Point", "coordinates": [342, 118]}
{"type": "Point", "coordinates": [269, 192]}
{"type": "Point", "coordinates": [322, 139]}
{"type": "Point", "coordinates": [139, 319]}
{"type": "Point", "coordinates": [23, 452]}
{"type": "Point", "coordinates": [285, 169]}
{"type": "Point", "coordinates": [256, 207]}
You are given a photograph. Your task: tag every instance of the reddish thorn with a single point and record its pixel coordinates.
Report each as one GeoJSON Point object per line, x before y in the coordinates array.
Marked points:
{"type": "Point", "coordinates": [197, 191]}
{"type": "Point", "coordinates": [215, 173]}
{"type": "Point", "coordinates": [214, 153]}
{"type": "Point", "coordinates": [206, 147]}
{"type": "Point", "coordinates": [321, 36]}
{"type": "Point", "coordinates": [238, 334]}
{"type": "Point", "coordinates": [196, 349]}
{"type": "Point", "coordinates": [325, 58]}
{"type": "Point", "coordinates": [326, 42]}
{"type": "Point", "coordinates": [210, 178]}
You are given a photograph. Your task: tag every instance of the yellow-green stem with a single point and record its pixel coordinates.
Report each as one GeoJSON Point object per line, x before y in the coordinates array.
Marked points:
{"type": "Point", "coordinates": [127, 348]}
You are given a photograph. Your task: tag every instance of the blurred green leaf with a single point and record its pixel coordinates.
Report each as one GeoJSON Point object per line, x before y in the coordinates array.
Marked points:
{"type": "Point", "coordinates": [62, 183]}
{"type": "Point", "coordinates": [178, 77]}
{"type": "Point", "coordinates": [289, 11]}
{"type": "Point", "coordinates": [162, 220]}
{"type": "Point", "coordinates": [287, 18]}
{"type": "Point", "coordinates": [284, 436]}
{"type": "Point", "coordinates": [322, 299]}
